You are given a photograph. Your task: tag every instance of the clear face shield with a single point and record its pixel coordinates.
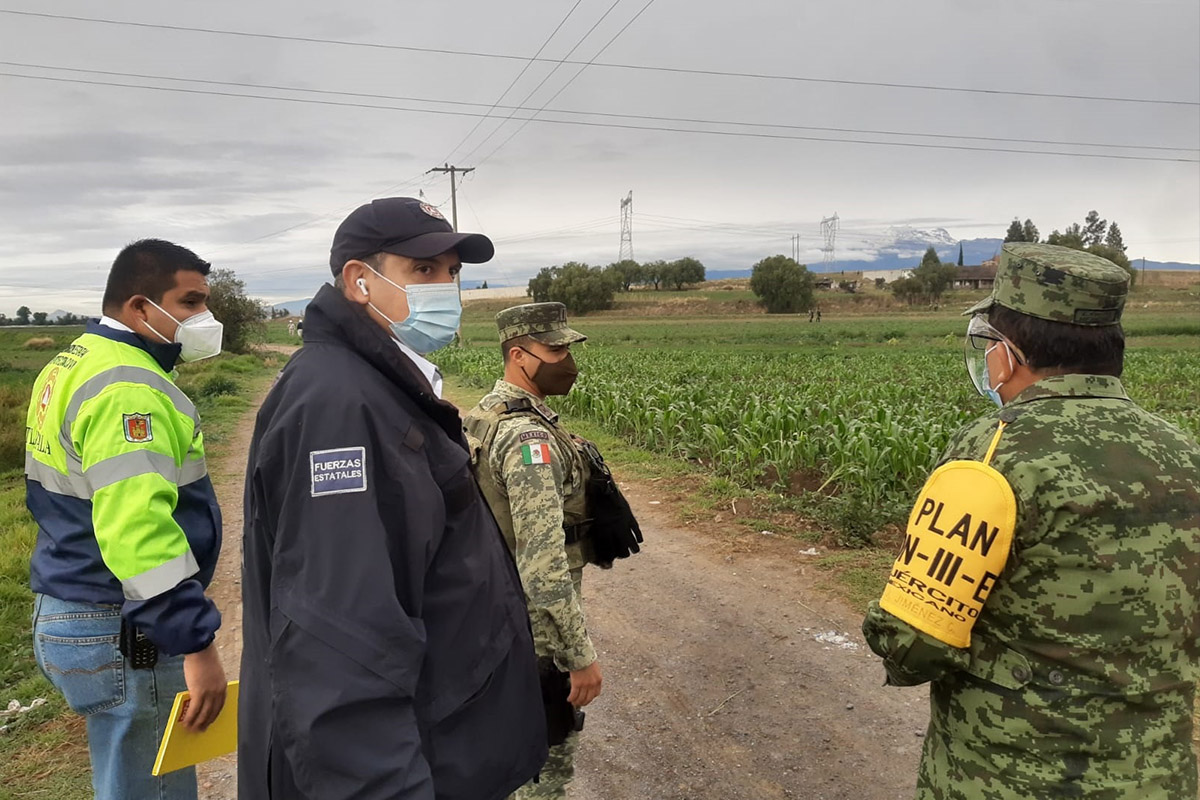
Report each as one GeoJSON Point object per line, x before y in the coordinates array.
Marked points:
{"type": "Point", "coordinates": [981, 340]}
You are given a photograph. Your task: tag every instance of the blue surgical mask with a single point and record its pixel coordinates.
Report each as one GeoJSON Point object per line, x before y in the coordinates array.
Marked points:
{"type": "Point", "coordinates": [987, 390]}
{"type": "Point", "coordinates": [981, 340]}
{"type": "Point", "coordinates": [434, 312]}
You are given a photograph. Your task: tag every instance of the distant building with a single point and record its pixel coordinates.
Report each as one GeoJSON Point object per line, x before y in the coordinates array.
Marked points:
{"type": "Point", "coordinates": [845, 280]}
{"type": "Point", "coordinates": [981, 277]}
{"type": "Point", "coordinates": [888, 275]}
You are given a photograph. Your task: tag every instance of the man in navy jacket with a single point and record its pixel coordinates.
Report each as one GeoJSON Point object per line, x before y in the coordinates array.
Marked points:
{"type": "Point", "coordinates": [387, 650]}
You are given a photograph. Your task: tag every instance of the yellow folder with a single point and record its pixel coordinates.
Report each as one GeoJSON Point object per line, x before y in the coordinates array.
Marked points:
{"type": "Point", "coordinates": [183, 748]}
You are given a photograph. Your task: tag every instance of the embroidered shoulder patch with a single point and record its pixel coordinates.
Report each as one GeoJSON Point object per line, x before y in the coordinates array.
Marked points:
{"type": "Point", "coordinates": [525, 436]}
{"type": "Point", "coordinates": [339, 471]}
{"type": "Point", "coordinates": [535, 454]}
{"type": "Point", "coordinates": [137, 428]}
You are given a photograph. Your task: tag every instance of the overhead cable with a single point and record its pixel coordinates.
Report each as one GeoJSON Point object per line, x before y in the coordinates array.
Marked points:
{"type": "Point", "coordinates": [607, 65]}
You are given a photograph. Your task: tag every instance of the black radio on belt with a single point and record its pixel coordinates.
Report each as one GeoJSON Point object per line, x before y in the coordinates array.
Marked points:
{"type": "Point", "coordinates": [137, 647]}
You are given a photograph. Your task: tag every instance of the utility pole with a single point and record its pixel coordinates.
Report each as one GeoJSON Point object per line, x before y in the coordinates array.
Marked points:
{"type": "Point", "coordinates": [453, 189]}
{"type": "Point", "coordinates": [454, 224]}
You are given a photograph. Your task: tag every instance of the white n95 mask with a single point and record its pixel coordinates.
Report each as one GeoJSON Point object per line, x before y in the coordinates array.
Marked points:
{"type": "Point", "coordinates": [199, 335]}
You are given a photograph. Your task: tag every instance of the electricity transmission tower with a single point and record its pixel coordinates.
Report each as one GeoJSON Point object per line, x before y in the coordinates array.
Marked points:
{"type": "Point", "coordinates": [796, 248]}
{"type": "Point", "coordinates": [626, 251]}
{"type": "Point", "coordinates": [829, 229]}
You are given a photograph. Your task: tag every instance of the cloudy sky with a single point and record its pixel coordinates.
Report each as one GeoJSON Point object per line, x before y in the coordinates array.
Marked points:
{"type": "Point", "coordinates": [258, 185]}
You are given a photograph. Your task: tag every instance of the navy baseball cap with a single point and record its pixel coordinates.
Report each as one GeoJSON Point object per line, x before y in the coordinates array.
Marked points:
{"type": "Point", "coordinates": [403, 226]}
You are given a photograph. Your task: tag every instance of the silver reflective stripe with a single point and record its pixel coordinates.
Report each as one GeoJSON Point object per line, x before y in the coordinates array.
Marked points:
{"type": "Point", "coordinates": [98, 383]}
{"type": "Point", "coordinates": [129, 465]}
{"type": "Point", "coordinates": [162, 578]}
{"type": "Point", "coordinates": [54, 481]}
{"type": "Point", "coordinates": [192, 471]}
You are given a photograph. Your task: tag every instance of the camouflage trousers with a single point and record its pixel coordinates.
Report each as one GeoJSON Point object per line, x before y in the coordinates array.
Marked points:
{"type": "Point", "coordinates": [559, 770]}
{"type": "Point", "coordinates": [555, 776]}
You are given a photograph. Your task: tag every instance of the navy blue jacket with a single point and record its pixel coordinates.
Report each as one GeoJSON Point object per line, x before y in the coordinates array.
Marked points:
{"type": "Point", "coordinates": [387, 650]}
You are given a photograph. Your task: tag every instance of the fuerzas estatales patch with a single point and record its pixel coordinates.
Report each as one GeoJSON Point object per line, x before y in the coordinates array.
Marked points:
{"type": "Point", "coordinates": [339, 471]}
{"type": "Point", "coordinates": [957, 542]}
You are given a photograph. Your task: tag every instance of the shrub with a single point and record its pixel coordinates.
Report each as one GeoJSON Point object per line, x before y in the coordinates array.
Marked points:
{"type": "Point", "coordinates": [242, 316]}
{"type": "Point", "coordinates": [782, 285]}
{"type": "Point", "coordinates": [218, 385]}
{"type": "Point", "coordinates": [577, 286]}
{"type": "Point", "coordinates": [39, 343]}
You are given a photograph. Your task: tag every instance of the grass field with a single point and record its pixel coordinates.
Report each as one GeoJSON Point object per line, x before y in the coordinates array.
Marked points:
{"type": "Point", "coordinates": [822, 431]}
{"type": "Point", "coordinates": [42, 752]}
{"type": "Point", "coordinates": [842, 419]}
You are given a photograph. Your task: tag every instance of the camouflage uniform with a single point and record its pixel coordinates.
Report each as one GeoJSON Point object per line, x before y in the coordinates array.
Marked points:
{"type": "Point", "coordinates": [1080, 677]}
{"type": "Point", "coordinates": [532, 499]}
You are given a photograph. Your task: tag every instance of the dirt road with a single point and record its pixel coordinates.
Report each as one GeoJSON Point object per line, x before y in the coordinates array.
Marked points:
{"type": "Point", "coordinates": [728, 674]}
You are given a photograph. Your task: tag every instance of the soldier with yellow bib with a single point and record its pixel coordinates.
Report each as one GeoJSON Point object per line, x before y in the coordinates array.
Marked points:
{"type": "Point", "coordinates": [1049, 583]}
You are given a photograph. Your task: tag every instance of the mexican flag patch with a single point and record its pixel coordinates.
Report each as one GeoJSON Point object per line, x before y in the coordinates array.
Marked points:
{"type": "Point", "coordinates": [535, 453]}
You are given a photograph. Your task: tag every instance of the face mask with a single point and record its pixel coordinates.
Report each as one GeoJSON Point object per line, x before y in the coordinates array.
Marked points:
{"type": "Point", "coordinates": [199, 335]}
{"type": "Point", "coordinates": [434, 311]}
{"type": "Point", "coordinates": [982, 339]}
{"type": "Point", "coordinates": [553, 377]}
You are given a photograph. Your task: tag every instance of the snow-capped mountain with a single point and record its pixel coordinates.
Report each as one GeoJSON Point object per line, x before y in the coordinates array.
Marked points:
{"type": "Point", "coordinates": [938, 237]}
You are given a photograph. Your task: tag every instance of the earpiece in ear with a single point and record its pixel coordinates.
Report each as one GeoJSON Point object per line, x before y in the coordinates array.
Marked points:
{"type": "Point", "coordinates": [362, 287]}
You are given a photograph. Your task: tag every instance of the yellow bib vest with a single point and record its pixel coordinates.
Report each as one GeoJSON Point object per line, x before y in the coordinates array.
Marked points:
{"type": "Point", "coordinates": [956, 544]}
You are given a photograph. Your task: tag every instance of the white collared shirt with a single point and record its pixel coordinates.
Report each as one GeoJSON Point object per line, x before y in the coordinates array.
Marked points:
{"type": "Point", "coordinates": [116, 325]}
{"type": "Point", "coordinates": [432, 374]}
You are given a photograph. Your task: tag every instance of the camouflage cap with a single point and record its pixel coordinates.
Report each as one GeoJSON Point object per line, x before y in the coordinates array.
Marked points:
{"type": "Point", "coordinates": [1059, 284]}
{"type": "Point", "coordinates": [544, 322]}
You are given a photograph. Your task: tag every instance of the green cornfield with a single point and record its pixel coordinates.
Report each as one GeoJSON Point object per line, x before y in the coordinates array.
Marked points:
{"type": "Point", "coordinates": [863, 426]}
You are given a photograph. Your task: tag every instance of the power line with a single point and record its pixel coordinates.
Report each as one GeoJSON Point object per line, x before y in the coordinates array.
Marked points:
{"type": "Point", "coordinates": [566, 230]}
{"type": "Point", "coordinates": [321, 217]}
{"type": "Point", "coordinates": [563, 88]}
{"type": "Point", "coordinates": [607, 65]}
{"type": "Point", "coordinates": [520, 75]}
{"type": "Point", "coordinates": [612, 125]}
{"type": "Point", "coordinates": [612, 114]}
{"type": "Point", "coordinates": [537, 88]}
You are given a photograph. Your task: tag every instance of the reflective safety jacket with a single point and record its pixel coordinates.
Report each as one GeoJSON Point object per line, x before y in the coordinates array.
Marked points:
{"type": "Point", "coordinates": [116, 480]}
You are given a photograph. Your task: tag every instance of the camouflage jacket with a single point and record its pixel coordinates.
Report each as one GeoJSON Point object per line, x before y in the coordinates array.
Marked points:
{"type": "Point", "coordinates": [1081, 674]}
{"type": "Point", "coordinates": [530, 473]}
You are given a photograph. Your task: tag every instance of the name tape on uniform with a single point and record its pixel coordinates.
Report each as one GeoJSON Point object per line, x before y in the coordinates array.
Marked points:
{"type": "Point", "coordinates": [339, 471]}
{"type": "Point", "coordinates": [956, 545]}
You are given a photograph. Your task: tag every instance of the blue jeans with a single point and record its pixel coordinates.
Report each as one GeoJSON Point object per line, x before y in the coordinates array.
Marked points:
{"type": "Point", "coordinates": [76, 646]}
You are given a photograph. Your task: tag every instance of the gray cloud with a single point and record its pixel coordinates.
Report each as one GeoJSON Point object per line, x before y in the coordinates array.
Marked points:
{"type": "Point", "coordinates": [260, 185]}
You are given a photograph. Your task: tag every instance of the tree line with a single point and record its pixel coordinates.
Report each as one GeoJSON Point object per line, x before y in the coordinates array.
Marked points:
{"type": "Point", "coordinates": [242, 316]}
{"type": "Point", "coordinates": [784, 286]}
{"type": "Point", "coordinates": [1095, 235]}
{"type": "Point", "coordinates": [582, 288]}
{"type": "Point", "coordinates": [25, 316]}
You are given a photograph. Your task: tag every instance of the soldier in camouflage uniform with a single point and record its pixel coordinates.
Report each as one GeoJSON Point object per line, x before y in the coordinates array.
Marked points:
{"type": "Point", "coordinates": [533, 478]}
{"type": "Point", "coordinates": [1080, 674]}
